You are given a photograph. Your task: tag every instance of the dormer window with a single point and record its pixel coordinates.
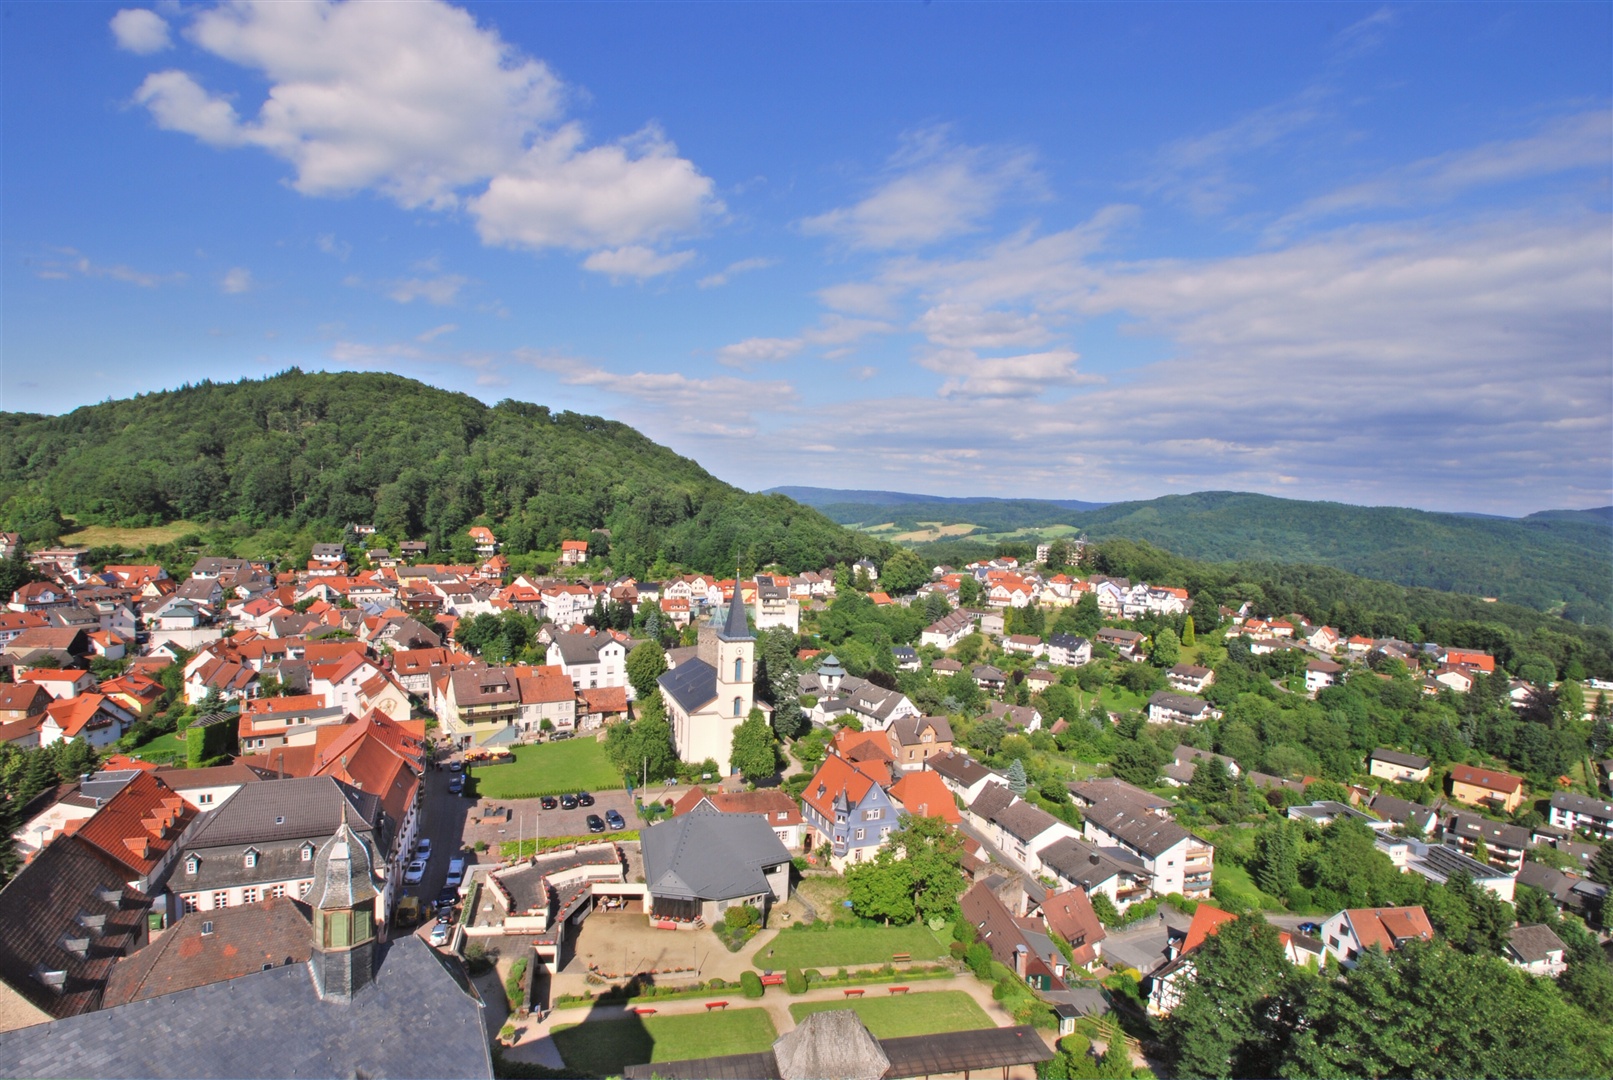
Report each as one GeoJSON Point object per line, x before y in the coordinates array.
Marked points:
{"type": "Point", "coordinates": [251, 859]}
{"type": "Point", "coordinates": [192, 864]}
{"type": "Point", "coordinates": [308, 853]}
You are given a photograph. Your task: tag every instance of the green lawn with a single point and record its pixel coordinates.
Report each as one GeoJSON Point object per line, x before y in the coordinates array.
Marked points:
{"type": "Point", "coordinates": [841, 946]}
{"type": "Point", "coordinates": [606, 1047]}
{"type": "Point", "coordinates": [1234, 882]}
{"type": "Point", "coordinates": [548, 769]}
{"type": "Point", "coordinates": [161, 750]}
{"type": "Point", "coordinates": [893, 1016]}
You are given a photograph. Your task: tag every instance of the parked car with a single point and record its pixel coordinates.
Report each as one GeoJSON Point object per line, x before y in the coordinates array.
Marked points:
{"type": "Point", "coordinates": [447, 898]}
{"type": "Point", "coordinates": [439, 935]}
{"type": "Point", "coordinates": [415, 872]}
{"type": "Point", "coordinates": [456, 785]}
{"type": "Point", "coordinates": [584, 799]}
{"type": "Point", "coordinates": [557, 736]}
{"type": "Point", "coordinates": [615, 821]}
{"type": "Point", "coordinates": [594, 824]}
{"type": "Point", "coordinates": [548, 802]}
{"type": "Point", "coordinates": [422, 848]}
{"type": "Point", "coordinates": [456, 766]}
{"type": "Point", "coordinates": [456, 873]}
{"type": "Point", "coordinates": [568, 802]}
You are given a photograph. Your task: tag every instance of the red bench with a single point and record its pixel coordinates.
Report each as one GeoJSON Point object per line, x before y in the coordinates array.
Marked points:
{"type": "Point", "coordinates": [716, 1005]}
{"type": "Point", "coordinates": [853, 993]}
{"type": "Point", "coordinates": [898, 989]}
{"type": "Point", "coordinates": [645, 1012]}
{"type": "Point", "coordinates": [772, 980]}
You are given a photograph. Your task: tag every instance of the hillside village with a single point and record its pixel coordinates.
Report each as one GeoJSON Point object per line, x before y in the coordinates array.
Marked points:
{"type": "Point", "coordinates": [1016, 814]}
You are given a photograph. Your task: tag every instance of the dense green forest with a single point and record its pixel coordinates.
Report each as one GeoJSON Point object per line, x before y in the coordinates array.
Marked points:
{"type": "Point", "coordinates": [1559, 561]}
{"type": "Point", "coordinates": [319, 450]}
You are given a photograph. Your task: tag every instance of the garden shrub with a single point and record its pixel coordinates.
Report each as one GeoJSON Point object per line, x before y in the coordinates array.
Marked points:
{"type": "Point", "coordinates": [739, 917]}
{"type": "Point", "coordinates": [978, 957]}
{"type": "Point", "coordinates": [719, 984]}
{"type": "Point", "coordinates": [750, 984]}
{"type": "Point", "coordinates": [795, 982]}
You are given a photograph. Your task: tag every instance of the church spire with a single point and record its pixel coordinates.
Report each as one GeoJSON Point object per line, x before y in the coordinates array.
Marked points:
{"type": "Point", "coordinates": [736, 628]}
{"type": "Point", "coordinates": [343, 899]}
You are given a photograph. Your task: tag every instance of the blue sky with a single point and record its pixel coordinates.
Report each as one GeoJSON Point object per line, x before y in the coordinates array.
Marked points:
{"type": "Point", "coordinates": [1353, 252]}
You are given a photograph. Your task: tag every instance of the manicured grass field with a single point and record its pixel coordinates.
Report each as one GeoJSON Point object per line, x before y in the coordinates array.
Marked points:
{"type": "Point", "coordinates": [606, 1047]}
{"type": "Point", "coordinates": [891, 1017]}
{"type": "Point", "coordinates": [841, 946]}
{"type": "Point", "coordinates": [549, 769]}
{"type": "Point", "coordinates": [127, 538]}
{"type": "Point", "coordinates": [162, 749]}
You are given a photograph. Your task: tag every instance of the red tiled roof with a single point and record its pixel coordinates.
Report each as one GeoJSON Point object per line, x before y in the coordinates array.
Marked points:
{"type": "Point", "coordinates": [1485, 778]}
{"type": "Point", "coordinates": [139, 824]}
{"type": "Point", "coordinates": [75, 714]}
{"type": "Point", "coordinates": [834, 776]}
{"type": "Point", "coordinates": [604, 699]}
{"type": "Point", "coordinates": [1206, 921]}
{"type": "Point", "coordinates": [1387, 927]}
{"type": "Point", "coordinates": [924, 793]}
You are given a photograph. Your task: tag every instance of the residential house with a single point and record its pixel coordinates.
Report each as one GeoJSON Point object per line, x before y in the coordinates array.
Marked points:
{"type": "Point", "coordinates": [775, 606]}
{"type": "Point", "coordinates": [1015, 718]}
{"type": "Point", "coordinates": [926, 795]}
{"type": "Point", "coordinates": [269, 724]}
{"type": "Point", "coordinates": [988, 678]}
{"type": "Point", "coordinates": [1015, 827]}
{"type": "Point", "coordinates": [1439, 863]}
{"type": "Point", "coordinates": [963, 775]}
{"type": "Point", "coordinates": [1398, 766]}
{"type": "Point", "coordinates": [906, 657]}
{"type": "Point", "coordinates": [1320, 674]}
{"type": "Point", "coordinates": [844, 807]}
{"type": "Point", "coordinates": [1484, 787]}
{"type": "Point", "coordinates": [1019, 944]}
{"type": "Point", "coordinates": [1167, 708]}
{"type": "Point", "coordinates": [384, 758]}
{"type": "Point", "coordinates": [1536, 949]}
{"type": "Point", "coordinates": [1178, 860]}
{"type": "Point", "coordinates": [948, 630]}
{"type": "Point", "coordinates": [486, 543]}
{"type": "Point", "coordinates": [1505, 844]}
{"type": "Point", "coordinates": [589, 660]}
{"type": "Point", "coordinates": [1024, 645]}
{"type": "Point", "coordinates": [95, 718]}
{"type": "Point", "coordinates": [60, 683]}
{"type": "Point", "coordinates": [1411, 816]}
{"type": "Point", "coordinates": [1190, 678]}
{"type": "Point", "coordinates": [139, 831]}
{"type": "Point", "coordinates": [209, 788]}
{"type": "Point", "coordinates": [919, 738]}
{"type": "Point", "coordinates": [1354, 930]}
{"type": "Point", "coordinates": [874, 706]}
{"type": "Point", "coordinates": [1127, 644]}
{"type": "Point", "coordinates": [573, 552]}
{"type": "Point", "coordinates": [1075, 864]}
{"type": "Point", "coordinates": [1069, 914]}
{"type": "Point", "coordinates": [1581, 813]}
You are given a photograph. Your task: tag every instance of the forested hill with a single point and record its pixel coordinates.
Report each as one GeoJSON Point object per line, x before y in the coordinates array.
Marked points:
{"type": "Point", "coordinates": [1560, 561]}
{"type": "Point", "coordinates": [320, 450]}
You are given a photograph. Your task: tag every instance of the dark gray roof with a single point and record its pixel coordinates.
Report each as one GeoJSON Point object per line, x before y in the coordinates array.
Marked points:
{"type": "Point", "coordinates": [1192, 706]}
{"type": "Point", "coordinates": [993, 799]}
{"type": "Point", "coordinates": [1023, 821]}
{"type": "Point", "coordinates": [342, 872]}
{"type": "Point", "coordinates": [1582, 804]}
{"type": "Point", "coordinates": [1396, 757]}
{"type": "Point", "coordinates": [1533, 944]}
{"type": "Point", "coordinates": [1444, 861]}
{"type": "Point", "coordinates": [1494, 832]}
{"type": "Point", "coordinates": [706, 855]}
{"type": "Point", "coordinates": [958, 767]}
{"type": "Point", "coordinates": [286, 809]}
{"type": "Point", "coordinates": [692, 684]}
{"type": "Point", "coordinates": [1400, 811]}
{"type": "Point", "coordinates": [1088, 865]}
{"type": "Point", "coordinates": [414, 1020]}
{"type": "Point", "coordinates": [734, 627]}
{"type": "Point", "coordinates": [1144, 832]}
{"type": "Point", "coordinates": [908, 728]}
{"type": "Point", "coordinates": [582, 648]}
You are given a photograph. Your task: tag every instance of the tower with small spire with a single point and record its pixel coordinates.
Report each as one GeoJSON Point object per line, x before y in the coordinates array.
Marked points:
{"type": "Point", "coordinates": [343, 900]}
{"type": "Point", "coordinates": [709, 696]}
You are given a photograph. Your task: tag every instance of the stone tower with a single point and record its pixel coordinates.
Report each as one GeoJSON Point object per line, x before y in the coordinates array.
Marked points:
{"type": "Point", "coordinates": [343, 902]}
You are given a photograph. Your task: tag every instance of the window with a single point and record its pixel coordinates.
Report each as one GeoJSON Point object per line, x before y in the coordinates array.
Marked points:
{"type": "Point", "coordinates": [221, 900]}
{"type": "Point", "coordinates": [737, 703]}
{"type": "Point", "coordinates": [873, 815]}
{"type": "Point", "coordinates": [862, 834]}
{"type": "Point", "coordinates": [207, 927]}
{"type": "Point", "coordinates": [739, 669]}
{"type": "Point", "coordinates": [249, 896]}
{"type": "Point", "coordinates": [191, 903]}
{"type": "Point", "coordinates": [278, 892]}
{"type": "Point", "coordinates": [192, 864]}
{"type": "Point", "coordinates": [251, 859]}
{"type": "Point", "coordinates": [204, 800]}
{"type": "Point", "coordinates": [302, 889]}
{"type": "Point", "coordinates": [307, 853]}
{"type": "Point", "coordinates": [884, 831]}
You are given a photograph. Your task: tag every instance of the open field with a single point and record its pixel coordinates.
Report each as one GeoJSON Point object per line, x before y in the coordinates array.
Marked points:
{"type": "Point", "coordinates": [841, 946]}
{"type": "Point", "coordinates": [892, 1017]}
{"type": "Point", "coordinates": [161, 750]}
{"type": "Point", "coordinates": [606, 1047]}
{"type": "Point", "coordinates": [127, 538]}
{"type": "Point", "coordinates": [932, 530]}
{"type": "Point", "coordinates": [549, 769]}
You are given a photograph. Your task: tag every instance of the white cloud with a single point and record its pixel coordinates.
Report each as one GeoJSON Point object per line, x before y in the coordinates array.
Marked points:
{"type": "Point", "coordinates": [418, 102]}
{"type": "Point", "coordinates": [635, 261]}
{"type": "Point", "coordinates": [734, 269]}
{"type": "Point", "coordinates": [328, 243]}
{"type": "Point", "coordinates": [436, 332]}
{"type": "Point", "coordinates": [932, 190]}
{"type": "Point", "coordinates": [1021, 376]}
{"type": "Point", "coordinates": [1582, 141]}
{"type": "Point", "coordinates": [966, 326]}
{"type": "Point", "coordinates": [140, 31]}
{"type": "Point", "coordinates": [753, 351]}
{"type": "Point", "coordinates": [722, 406]}
{"type": "Point", "coordinates": [67, 263]}
{"type": "Point", "coordinates": [236, 280]}
{"type": "Point", "coordinates": [441, 290]}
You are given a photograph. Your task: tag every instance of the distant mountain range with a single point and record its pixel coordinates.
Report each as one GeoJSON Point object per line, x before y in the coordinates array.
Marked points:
{"type": "Point", "coordinates": [1555, 560]}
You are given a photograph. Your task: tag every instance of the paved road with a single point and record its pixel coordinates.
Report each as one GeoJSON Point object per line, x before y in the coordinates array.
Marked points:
{"type": "Point", "coordinates": [443, 821]}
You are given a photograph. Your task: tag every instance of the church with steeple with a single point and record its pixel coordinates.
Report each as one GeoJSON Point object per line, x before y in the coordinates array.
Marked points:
{"type": "Point", "coordinates": [709, 696]}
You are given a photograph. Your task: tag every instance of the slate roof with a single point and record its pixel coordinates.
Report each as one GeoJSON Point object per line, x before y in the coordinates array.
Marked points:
{"type": "Point", "coordinates": [993, 799]}
{"type": "Point", "coordinates": [273, 1024]}
{"type": "Point", "coordinates": [961, 769]}
{"type": "Point", "coordinates": [1535, 944]}
{"type": "Point", "coordinates": [1088, 865]}
{"type": "Point", "coordinates": [706, 855]}
{"type": "Point", "coordinates": [282, 809]}
{"type": "Point", "coordinates": [69, 894]}
{"type": "Point", "coordinates": [908, 729]}
{"type": "Point", "coordinates": [692, 684]}
{"type": "Point", "coordinates": [1396, 757]}
{"type": "Point", "coordinates": [1495, 833]}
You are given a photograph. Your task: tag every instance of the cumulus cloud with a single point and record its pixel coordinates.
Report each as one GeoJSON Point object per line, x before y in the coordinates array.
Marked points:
{"type": "Point", "coordinates": [140, 31]}
{"type": "Point", "coordinates": [966, 326]}
{"type": "Point", "coordinates": [635, 261]}
{"type": "Point", "coordinates": [931, 190]}
{"type": "Point", "coordinates": [418, 102]}
{"type": "Point", "coordinates": [753, 351]}
{"type": "Point", "coordinates": [442, 289]}
{"type": "Point", "coordinates": [436, 332]}
{"type": "Point", "coordinates": [236, 280]}
{"type": "Point", "coordinates": [733, 270]}
{"type": "Point", "coordinates": [1021, 376]}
